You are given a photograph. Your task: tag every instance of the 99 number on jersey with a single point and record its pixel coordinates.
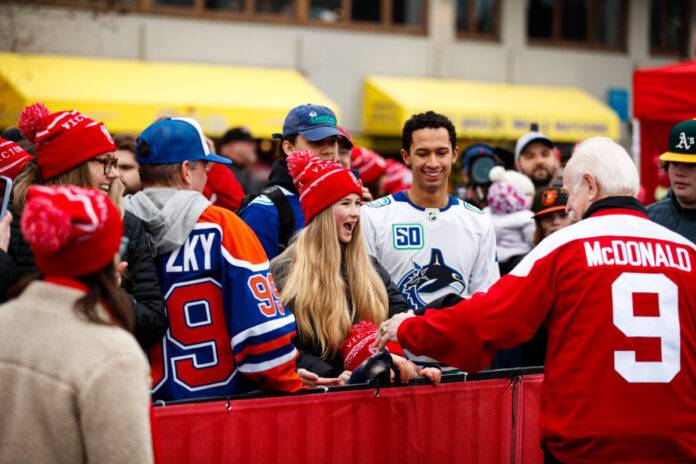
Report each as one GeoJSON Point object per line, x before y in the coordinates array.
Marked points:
{"type": "Point", "coordinates": [665, 326]}
{"type": "Point", "coordinates": [197, 326]}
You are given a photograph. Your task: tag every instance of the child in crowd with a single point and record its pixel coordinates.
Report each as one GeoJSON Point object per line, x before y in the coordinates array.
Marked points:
{"type": "Point", "coordinates": [75, 382]}
{"type": "Point", "coordinates": [549, 212]}
{"type": "Point", "coordinates": [509, 200]}
{"type": "Point", "coordinates": [327, 278]}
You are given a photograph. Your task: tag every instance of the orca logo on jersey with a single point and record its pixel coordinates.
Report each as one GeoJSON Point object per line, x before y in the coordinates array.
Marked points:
{"type": "Point", "coordinates": [426, 283]}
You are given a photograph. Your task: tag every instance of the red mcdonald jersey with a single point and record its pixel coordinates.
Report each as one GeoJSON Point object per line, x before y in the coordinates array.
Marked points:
{"type": "Point", "coordinates": [617, 294]}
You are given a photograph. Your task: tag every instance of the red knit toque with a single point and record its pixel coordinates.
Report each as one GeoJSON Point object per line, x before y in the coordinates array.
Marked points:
{"type": "Point", "coordinates": [12, 159]}
{"type": "Point", "coordinates": [368, 163]}
{"type": "Point", "coordinates": [397, 177]}
{"type": "Point", "coordinates": [360, 345]}
{"type": "Point", "coordinates": [64, 139]}
{"type": "Point", "coordinates": [320, 183]}
{"type": "Point", "coordinates": [72, 231]}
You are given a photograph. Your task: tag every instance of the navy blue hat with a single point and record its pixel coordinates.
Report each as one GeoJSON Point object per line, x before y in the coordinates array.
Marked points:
{"type": "Point", "coordinates": [474, 151]}
{"type": "Point", "coordinates": [313, 122]}
{"type": "Point", "coordinates": [174, 140]}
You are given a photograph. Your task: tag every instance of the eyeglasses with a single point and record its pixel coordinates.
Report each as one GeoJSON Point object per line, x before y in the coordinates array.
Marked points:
{"type": "Point", "coordinates": [108, 163]}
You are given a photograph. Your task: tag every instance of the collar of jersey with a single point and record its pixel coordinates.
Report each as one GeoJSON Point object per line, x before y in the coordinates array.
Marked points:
{"type": "Point", "coordinates": [401, 196]}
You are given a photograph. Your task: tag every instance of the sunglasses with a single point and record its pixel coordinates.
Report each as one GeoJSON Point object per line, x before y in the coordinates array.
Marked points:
{"type": "Point", "coordinates": [108, 163]}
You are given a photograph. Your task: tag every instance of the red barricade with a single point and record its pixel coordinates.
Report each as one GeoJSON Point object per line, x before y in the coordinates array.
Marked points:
{"type": "Point", "coordinates": [527, 440]}
{"type": "Point", "coordinates": [456, 422]}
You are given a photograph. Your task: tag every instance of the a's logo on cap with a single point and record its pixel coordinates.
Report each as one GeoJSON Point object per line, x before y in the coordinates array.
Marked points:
{"type": "Point", "coordinates": [549, 197]}
{"type": "Point", "coordinates": [312, 114]}
{"type": "Point", "coordinates": [685, 142]}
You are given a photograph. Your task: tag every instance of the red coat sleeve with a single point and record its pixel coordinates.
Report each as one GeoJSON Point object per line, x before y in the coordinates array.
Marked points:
{"type": "Point", "coordinates": [468, 334]}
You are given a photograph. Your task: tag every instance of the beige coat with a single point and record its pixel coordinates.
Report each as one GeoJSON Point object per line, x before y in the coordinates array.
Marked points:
{"type": "Point", "coordinates": [71, 391]}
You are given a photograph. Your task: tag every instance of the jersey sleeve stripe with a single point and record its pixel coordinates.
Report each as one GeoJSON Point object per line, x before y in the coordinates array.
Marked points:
{"type": "Point", "coordinates": [260, 267]}
{"type": "Point", "coordinates": [289, 329]}
{"type": "Point", "coordinates": [263, 328]}
{"type": "Point", "coordinates": [266, 365]}
{"type": "Point", "coordinates": [275, 343]}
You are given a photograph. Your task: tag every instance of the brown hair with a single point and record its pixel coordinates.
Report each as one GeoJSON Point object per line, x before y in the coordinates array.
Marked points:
{"type": "Point", "coordinates": [79, 175]}
{"type": "Point", "coordinates": [159, 174]}
{"type": "Point", "coordinates": [125, 142]}
{"type": "Point", "coordinates": [101, 288]}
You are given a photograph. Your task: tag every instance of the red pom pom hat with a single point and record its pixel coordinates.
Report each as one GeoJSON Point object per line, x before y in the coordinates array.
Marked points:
{"type": "Point", "coordinates": [360, 345]}
{"type": "Point", "coordinates": [369, 164]}
{"type": "Point", "coordinates": [64, 139]}
{"type": "Point", "coordinates": [12, 159]}
{"type": "Point", "coordinates": [320, 183]}
{"type": "Point", "coordinates": [72, 231]}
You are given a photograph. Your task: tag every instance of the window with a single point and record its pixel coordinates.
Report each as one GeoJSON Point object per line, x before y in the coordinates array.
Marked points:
{"type": "Point", "coordinates": [579, 23]}
{"type": "Point", "coordinates": [382, 15]}
{"type": "Point", "coordinates": [477, 18]}
{"type": "Point", "coordinates": [669, 26]}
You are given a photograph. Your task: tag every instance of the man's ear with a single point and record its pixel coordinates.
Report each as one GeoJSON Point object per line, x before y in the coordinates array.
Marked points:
{"type": "Point", "coordinates": [594, 189]}
{"type": "Point", "coordinates": [185, 173]}
{"type": "Point", "coordinates": [455, 154]}
{"type": "Point", "coordinates": [287, 147]}
{"type": "Point", "coordinates": [406, 157]}
{"type": "Point", "coordinates": [517, 165]}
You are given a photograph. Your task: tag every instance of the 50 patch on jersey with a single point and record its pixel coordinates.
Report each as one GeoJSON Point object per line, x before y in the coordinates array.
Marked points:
{"type": "Point", "coordinates": [407, 236]}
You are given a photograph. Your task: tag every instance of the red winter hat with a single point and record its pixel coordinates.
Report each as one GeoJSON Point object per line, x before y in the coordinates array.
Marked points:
{"type": "Point", "coordinates": [320, 183]}
{"type": "Point", "coordinates": [368, 163]}
{"type": "Point", "coordinates": [397, 177]}
{"type": "Point", "coordinates": [360, 345]}
{"type": "Point", "coordinates": [64, 139]}
{"type": "Point", "coordinates": [12, 159]}
{"type": "Point", "coordinates": [72, 231]}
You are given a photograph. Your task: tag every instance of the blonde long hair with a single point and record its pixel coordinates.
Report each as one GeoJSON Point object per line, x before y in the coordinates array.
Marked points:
{"type": "Point", "coordinates": [323, 273]}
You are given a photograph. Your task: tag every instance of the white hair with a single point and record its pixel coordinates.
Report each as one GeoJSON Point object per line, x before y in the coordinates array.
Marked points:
{"type": "Point", "coordinates": [608, 162]}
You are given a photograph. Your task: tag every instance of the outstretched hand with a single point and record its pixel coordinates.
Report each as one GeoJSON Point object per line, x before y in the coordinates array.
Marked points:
{"type": "Point", "coordinates": [388, 329]}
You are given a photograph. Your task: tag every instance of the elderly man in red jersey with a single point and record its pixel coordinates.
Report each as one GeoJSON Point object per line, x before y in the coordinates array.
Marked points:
{"type": "Point", "coordinates": [616, 294]}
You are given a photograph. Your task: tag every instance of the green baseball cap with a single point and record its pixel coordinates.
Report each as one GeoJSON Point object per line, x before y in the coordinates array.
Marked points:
{"type": "Point", "coordinates": [682, 143]}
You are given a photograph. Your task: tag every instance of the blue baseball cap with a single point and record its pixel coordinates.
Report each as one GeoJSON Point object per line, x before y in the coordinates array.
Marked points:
{"type": "Point", "coordinates": [174, 140]}
{"type": "Point", "coordinates": [313, 122]}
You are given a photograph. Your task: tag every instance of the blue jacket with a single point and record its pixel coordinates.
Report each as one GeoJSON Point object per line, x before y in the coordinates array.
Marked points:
{"type": "Point", "coordinates": [261, 215]}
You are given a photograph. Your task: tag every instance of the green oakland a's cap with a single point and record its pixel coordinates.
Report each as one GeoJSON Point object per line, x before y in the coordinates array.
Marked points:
{"type": "Point", "coordinates": [682, 143]}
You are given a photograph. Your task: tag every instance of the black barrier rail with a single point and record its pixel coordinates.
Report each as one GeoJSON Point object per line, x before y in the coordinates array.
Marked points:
{"type": "Point", "coordinates": [446, 378]}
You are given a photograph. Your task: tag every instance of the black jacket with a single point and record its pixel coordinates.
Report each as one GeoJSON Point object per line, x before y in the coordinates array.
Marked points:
{"type": "Point", "coordinates": [8, 273]}
{"type": "Point", "coordinates": [140, 280]}
{"type": "Point", "coordinates": [669, 213]}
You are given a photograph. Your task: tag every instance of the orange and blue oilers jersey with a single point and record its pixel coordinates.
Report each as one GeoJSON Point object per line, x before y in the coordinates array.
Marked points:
{"type": "Point", "coordinates": [228, 332]}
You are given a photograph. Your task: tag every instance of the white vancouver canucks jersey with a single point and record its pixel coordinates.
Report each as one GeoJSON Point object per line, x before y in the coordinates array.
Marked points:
{"type": "Point", "coordinates": [431, 252]}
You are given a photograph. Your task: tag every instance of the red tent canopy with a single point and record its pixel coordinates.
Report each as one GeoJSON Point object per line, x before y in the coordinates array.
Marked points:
{"type": "Point", "coordinates": [661, 97]}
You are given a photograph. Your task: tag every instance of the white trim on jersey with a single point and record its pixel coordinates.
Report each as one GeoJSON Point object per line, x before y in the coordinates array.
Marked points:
{"type": "Point", "coordinates": [266, 365]}
{"type": "Point", "coordinates": [619, 225]}
{"type": "Point", "coordinates": [264, 266]}
{"type": "Point", "coordinates": [261, 329]}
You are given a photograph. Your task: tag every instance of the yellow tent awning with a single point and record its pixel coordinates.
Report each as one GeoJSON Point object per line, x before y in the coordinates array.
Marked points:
{"type": "Point", "coordinates": [485, 110]}
{"type": "Point", "coordinates": [129, 95]}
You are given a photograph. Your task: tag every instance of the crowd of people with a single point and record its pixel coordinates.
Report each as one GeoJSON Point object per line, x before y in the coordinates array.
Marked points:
{"type": "Point", "coordinates": [345, 267]}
